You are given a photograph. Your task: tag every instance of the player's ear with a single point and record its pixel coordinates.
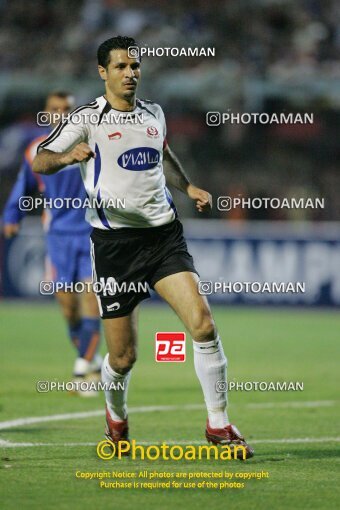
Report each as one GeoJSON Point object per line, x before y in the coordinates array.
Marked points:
{"type": "Point", "coordinates": [102, 72]}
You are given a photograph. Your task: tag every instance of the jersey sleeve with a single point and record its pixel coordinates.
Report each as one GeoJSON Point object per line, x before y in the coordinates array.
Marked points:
{"type": "Point", "coordinates": [25, 185]}
{"type": "Point", "coordinates": [67, 134]}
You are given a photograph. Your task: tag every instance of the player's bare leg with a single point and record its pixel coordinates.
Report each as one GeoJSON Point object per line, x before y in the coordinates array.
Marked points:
{"type": "Point", "coordinates": [82, 316]}
{"type": "Point", "coordinates": [69, 304]}
{"type": "Point", "coordinates": [90, 335]}
{"type": "Point", "coordinates": [121, 339]}
{"type": "Point", "coordinates": [89, 305]}
{"type": "Point", "coordinates": [180, 290]}
{"type": "Point", "coordinates": [90, 315]}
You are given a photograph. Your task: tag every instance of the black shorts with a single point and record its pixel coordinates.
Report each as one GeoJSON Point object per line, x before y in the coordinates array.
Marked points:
{"type": "Point", "coordinates": [127, 261]}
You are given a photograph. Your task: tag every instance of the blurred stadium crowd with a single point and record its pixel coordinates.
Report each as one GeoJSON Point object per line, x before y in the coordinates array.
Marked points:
{"type": "Point", "coordinates": [271, 56]}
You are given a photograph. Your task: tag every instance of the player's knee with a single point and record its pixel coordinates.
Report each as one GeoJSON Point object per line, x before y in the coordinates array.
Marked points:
{"type": "Point", "coordinates": [123, 363]}
{"type": "Point", "coordinates": [204, 328]}
{"type": "Point", "coordinates": [71, 314]}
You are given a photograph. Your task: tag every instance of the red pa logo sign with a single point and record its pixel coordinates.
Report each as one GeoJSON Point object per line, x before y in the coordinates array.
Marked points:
{"type": "Point", "coordinates": [170, 347]}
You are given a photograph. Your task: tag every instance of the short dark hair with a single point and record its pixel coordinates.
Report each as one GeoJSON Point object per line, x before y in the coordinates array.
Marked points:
{"type": "Point", "coordinates": [115, 43]}
{"type": "Point", "coordinates": [62, 94]}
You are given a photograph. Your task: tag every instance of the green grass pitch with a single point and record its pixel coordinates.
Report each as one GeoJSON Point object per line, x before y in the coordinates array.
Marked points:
{"type": "Point", "coordinates": [302, 456]}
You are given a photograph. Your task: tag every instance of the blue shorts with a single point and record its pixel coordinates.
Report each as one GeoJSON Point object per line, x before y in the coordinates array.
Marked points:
{"type": "Point", "coordinates": [68, 258]}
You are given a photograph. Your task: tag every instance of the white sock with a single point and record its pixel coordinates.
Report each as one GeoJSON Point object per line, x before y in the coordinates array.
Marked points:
{"type": "Point", "coordinates": [115, 398]}
{"type": "Point", "coordinates": [210, 365]}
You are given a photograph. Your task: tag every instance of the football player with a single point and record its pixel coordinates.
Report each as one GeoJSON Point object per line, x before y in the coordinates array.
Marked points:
{"type": "Point", "coordinates": [143, 242]}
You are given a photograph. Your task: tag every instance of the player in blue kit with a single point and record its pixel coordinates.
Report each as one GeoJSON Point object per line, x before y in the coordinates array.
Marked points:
{"type": "Point", "coordinates": [68, 246]}
{"type": "Point", "coordinates": [142, 242]}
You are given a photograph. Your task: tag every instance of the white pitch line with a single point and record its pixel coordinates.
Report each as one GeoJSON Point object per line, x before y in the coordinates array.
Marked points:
{"type": "Point", "coordinates": [8, 444]}
{"type": "Point", "coordinates": [298, 440]}
{"type": "Point", "coordinates": [43, 419]}
{"type": "Point", "coordinates": [89, 414]}
{"type": "Point", "coordinates": [148, 409]}
{"type": "Point", "coordinates": [269, 405]}
{"type": "Point", "coordinates": [144, 409]}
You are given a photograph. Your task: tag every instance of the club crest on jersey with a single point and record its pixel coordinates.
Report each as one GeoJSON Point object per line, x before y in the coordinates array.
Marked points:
{"type": "Point", "coordinates": [152, 132]}
{"type": "Point", "coordinates": [115, 136]}
{"type": "Point", "coordinates": [141, 158]}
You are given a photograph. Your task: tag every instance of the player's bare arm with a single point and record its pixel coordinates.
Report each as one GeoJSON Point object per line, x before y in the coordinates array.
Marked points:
{"type": "Point", "coordinates": [48, 162]}
{"type": "Point", "coordinates": [175, 175]}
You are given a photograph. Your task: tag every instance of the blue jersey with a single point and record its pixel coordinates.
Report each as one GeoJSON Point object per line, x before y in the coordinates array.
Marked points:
{"type": "Point", "coordinates": [66, 183]}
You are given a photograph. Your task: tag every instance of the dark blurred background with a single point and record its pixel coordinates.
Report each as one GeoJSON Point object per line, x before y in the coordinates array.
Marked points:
{"type": "Point", "coordinates": [271, 56]}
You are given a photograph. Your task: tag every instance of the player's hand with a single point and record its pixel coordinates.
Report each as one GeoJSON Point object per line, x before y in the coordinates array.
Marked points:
{"type": "Point", "coordinates": [81, 152]}
{"type": "Point", "coordinates": [11, 230]}
{"type": "Point", "coordinates": [203, 198]}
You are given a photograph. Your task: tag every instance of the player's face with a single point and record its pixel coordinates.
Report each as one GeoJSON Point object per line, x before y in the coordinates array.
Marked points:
{"type": "Point", "coordinates": [58, 105]}
{"type": "Point", "coordinates": [121, 75]}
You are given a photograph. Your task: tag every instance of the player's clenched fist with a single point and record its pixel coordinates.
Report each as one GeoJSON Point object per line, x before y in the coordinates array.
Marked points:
{"type": "Point", "coordinates": [203, 198]}
{"type": "Point", "coordinates": [81, 152]}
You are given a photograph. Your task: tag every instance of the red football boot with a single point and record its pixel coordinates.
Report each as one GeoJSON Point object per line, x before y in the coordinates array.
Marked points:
{"type": "Point", "coordinates": [116, 431]}
{"type": "Point", "coordinates": [229, 436]}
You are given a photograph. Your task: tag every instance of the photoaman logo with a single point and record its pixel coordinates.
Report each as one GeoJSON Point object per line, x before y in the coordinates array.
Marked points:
{"type": "Point", "coordinates": [107, 450]}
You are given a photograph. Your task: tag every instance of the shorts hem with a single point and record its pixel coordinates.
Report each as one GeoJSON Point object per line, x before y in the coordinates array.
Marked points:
{"type": "Point", "coordinates": [121, 313]}
{"type": "Point", "coordinates": [173, 271]}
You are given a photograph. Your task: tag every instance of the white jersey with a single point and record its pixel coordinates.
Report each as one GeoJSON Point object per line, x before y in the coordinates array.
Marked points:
{"type": "Point", "coordinates": [126, 179]}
